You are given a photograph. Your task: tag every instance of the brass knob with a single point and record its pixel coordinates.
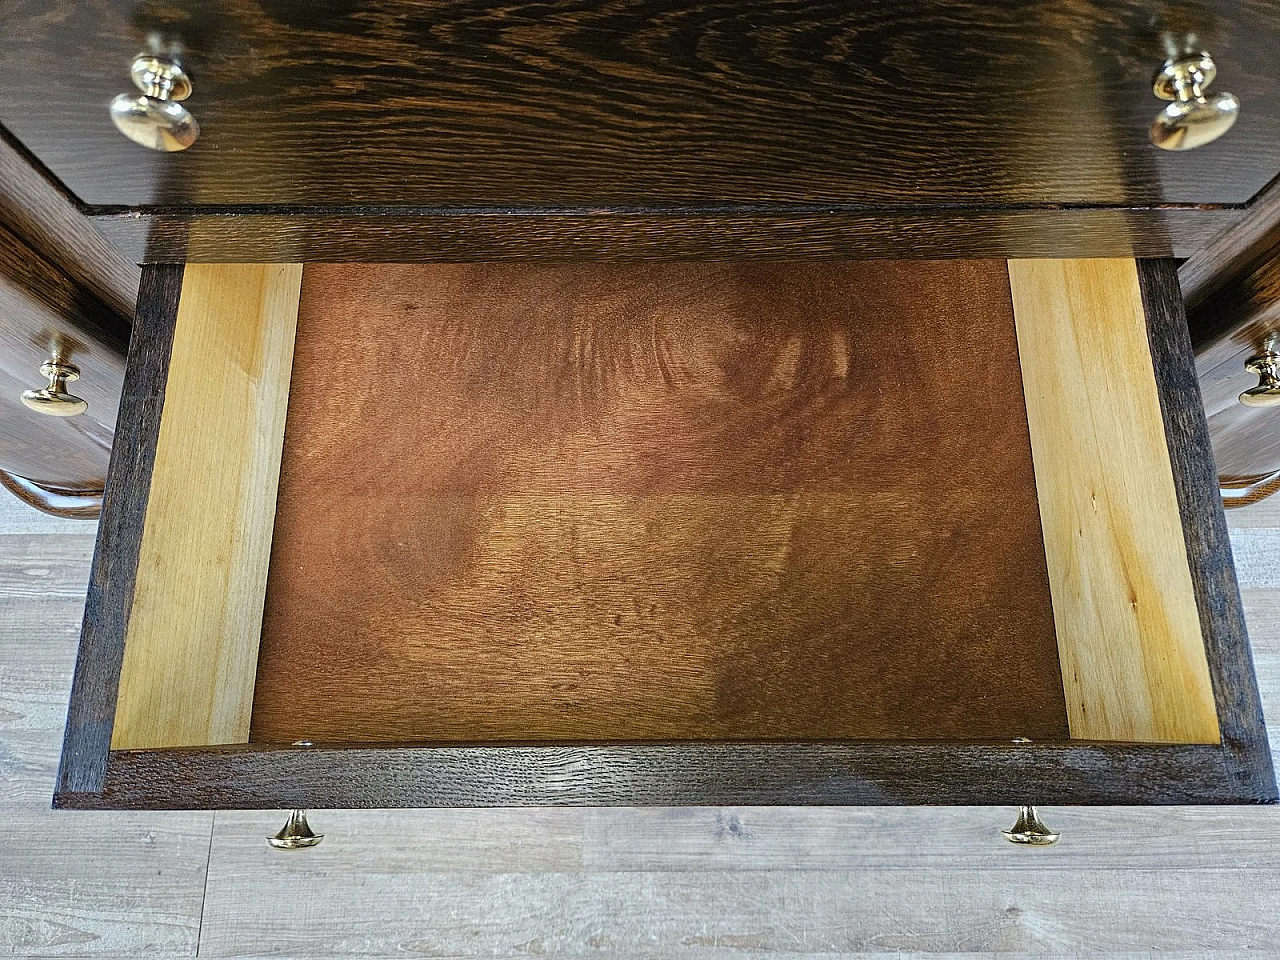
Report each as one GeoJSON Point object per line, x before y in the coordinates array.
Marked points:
{"type": "Point", "coordinates": [1030, 830]}
{"type": "Point", "coordinates": [155, 118]}
{"type": "Point", "coordinates": [53, 400]}
{"type": "Point", "coordinates": [296, 834]}
{"type": "Point", "coordinates": [1267, 392]}
{"type": "Point", "coordinates": [1193, 118]}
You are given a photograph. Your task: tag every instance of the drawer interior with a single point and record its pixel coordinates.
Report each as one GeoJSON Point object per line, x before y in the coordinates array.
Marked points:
{"type": "Point", "coordinates": [662, 502]}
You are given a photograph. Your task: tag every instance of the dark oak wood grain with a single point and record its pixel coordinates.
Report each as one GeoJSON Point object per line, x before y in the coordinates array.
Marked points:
{"type": "Point", "coordinates": [115, 558]}
{"type": "Point", "coordinates": [678, 774]}
{"type": "Point", "coordinates": [1236, 317]}
{"type": "Point", "coordinates": [38, 210]}
{"type": "Point", "coordinates": [42, 312]}
{"type": "Point", "coordinates": [694, 501]}
{"type": "Point", "coordinates": [408, 235]}
{"type": "Point", "coordinates": [647, 103]}
{"type": "Point", "coordinates": [1226, 258]}
{"type": "Point", "coordinates": [1247, 754]}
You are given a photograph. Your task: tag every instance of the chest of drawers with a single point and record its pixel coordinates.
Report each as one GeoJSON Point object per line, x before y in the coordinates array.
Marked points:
{"type": "Point", "coordinates": [656, 402]}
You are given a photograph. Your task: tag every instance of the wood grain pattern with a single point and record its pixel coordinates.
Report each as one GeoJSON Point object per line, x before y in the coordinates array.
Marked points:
{"type": "Point", "coordinates": [596, 503]}
{"type": "Point", "coordinates": [36, 208]}
{"type": "Point", "coordinates": [1220, 263]}
{"type": "Point", "coordinates": [1234, 323]}
{"type": "Point", "coordinates": [257, 776]}
{"type": "Point", "coordinates": [1232, 290]}
{"type": "Point", "coordinates": [1175, 882]}
{"type": "Point", "coordinates": [396, 235]}
{"type": "Point", "coordinates": [1042, 909]}
{"type": "Point", "coordinates": [102, 886]}
{"type": "Point", "coordinates": [71, 504]}
{"type": "Point", "coordinates": [643, 102]}
{"type": "Point", "coordinates": [1129, 633]}
{"type": "Point", "coordinates": [91, 711]}
{"type": "Point", "coordinates": [1247, 754]}
{"type": "Point", "coordinates": [810, 773]}
{"type": "Point", "coordinates": [42, 585]}
{"type": "Point", "coordinates": [41, 306]}
{"type": "Point", "coordinates": [1244, 492]}
{"type": "Point", "coordinates": [191, 645]}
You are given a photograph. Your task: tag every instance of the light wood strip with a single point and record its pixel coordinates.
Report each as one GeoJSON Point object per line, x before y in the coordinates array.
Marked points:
{"type": "Point", "coordinates": [1129, 640]}
{"type": "Point", "coordinates": [192, 642]}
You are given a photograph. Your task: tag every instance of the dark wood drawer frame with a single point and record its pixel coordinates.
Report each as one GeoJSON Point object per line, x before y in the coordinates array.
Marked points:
{"type": "Point", "coordinates": [1236, 770]}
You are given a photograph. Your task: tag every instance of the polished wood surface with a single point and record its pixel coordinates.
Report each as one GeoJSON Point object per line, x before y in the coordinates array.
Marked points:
{"type": "Point", "coordinates": [665, 502]}
{"type": "Point", "coordinates": [401, 236]}
{"type": "Point", "coordinates": [192, 642]}
{"type": "Point", "coordinates": [1232, 291]}
{"type": "Point", "coordinates": [36, 208]}
{"type": "Point", "coordinates": [84, 504]}
{"type": "Point", "coordinates": [643, 102]}
{"type": "Point", "coordinates": [1244, 491]}
{"type": "Point", "coordinates": [1133, 658]}
{"type": "Point", "coordinates": [43, 310]}
{"type": "Point", "coordinates": [1234, 322]}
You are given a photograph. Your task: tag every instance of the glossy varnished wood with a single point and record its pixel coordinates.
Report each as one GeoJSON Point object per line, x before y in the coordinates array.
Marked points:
{"type": "Point", "coordinates": [1232, 292]}
{"type": "Point", "coordinates": [1234, 322]}
{"type": "Point", "coordinates": [41, 307]}
{"type": "Point", "coordinates": [643, 102]}
{"type": "Point", "coordinates": [400, 235]}
{"type": "Point", "coordinates": [69, 504]}
{"type": "Point", "coordinates": [600, 503]}
{"type": "Point", "coordinates": [37, 209]}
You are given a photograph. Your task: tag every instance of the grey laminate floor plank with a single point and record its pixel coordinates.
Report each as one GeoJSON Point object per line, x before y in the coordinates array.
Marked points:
{"type": "Point", "coordinates": [43, 577]}
{"type": "Point", "coordinates": [726, 913]}
{"type": "Point", "coordinates": [101, 884]}
{"type": "Point", "coordinates": [74, 884]}
{"type": "Point", "coordinates": [887, 840]}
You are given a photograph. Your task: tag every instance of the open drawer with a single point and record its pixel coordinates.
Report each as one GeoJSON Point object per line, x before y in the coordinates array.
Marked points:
{"type": "Point", "coordinates": [503, 534]}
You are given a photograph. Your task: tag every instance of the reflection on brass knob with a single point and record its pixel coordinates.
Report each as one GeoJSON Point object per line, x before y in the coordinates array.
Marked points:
{"type": "Point", "coordinates": [1030, 830]}
{"type": "Point", "coordinates": [296, 834]}
{"type": "Point", "coordinates": [155, 119]}
{"type": "Point", "coordinates": [1193, 118]}
{"type": "Point", "coordinates": [1267, 392]}
{"type": "Point", "coordinates": [54, 400]}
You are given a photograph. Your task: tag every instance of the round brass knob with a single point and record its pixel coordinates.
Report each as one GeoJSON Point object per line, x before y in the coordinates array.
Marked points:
{"type": "Point", "coordinates": [1267, 392]}
{"type": "Point", "coordinates": [1193, 118]}
{"type": "Point", "coordinates": [53, 400]}
{"type": "Point", "coordinates": [155, 118]}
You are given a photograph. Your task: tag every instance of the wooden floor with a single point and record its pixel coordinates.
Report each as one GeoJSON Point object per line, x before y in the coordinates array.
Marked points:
{"type": "Point", "coordinates": [688, 883]}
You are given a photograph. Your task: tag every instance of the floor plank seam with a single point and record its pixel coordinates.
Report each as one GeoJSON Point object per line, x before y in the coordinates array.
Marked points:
{"type": "Point", "coordinates": [204, 892]}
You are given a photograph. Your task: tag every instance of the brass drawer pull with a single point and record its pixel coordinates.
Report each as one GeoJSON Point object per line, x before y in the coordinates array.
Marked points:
{"type": "Point", "coordinates": [296, 834]}
{"type": "Point", "coordinates": [1193, 118]}
{"type": "Point", "coordinates": [155, 119]}
{"type": "Point", "coordinates": [1030, 830]}
{"type": "Point", "coordinates": [1267, 392]}
{"type": "Point", "coordinates": [53, 400]}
